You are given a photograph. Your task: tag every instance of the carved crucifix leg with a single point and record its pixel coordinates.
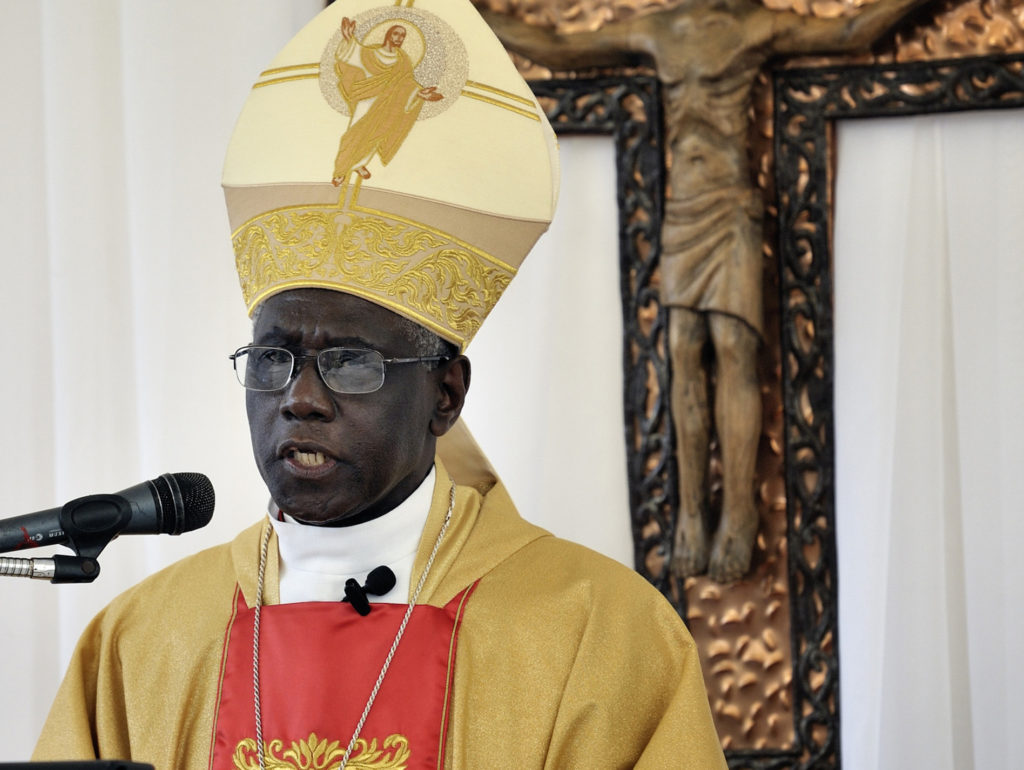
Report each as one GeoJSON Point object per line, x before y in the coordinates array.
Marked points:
{"type": "Point", "coordinates": [738, 426]}
{"type": "Point", "coordinates": [687, 335]}
{"type": "Point", "coordinates": [738, 423]}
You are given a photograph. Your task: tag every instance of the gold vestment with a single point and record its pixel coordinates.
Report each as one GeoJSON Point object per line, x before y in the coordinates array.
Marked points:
{"type": "Point", "coordinates": [565, 658]}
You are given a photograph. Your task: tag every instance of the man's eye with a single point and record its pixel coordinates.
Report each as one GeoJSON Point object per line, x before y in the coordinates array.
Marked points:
{"type": "Point", "coordinates": [342, 358]}
{"type": "Point", "coordinates": [273, 357]}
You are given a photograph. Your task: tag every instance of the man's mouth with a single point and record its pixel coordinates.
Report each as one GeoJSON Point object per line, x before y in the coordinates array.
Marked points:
{"type": "Point", "coordinates": [308, 462]}
{"type": "Point", "coordinates": [307, 459]}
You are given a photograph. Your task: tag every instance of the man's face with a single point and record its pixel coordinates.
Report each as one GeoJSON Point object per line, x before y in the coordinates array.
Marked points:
{"type": "Point", "coordinates": [332, 458]}
{"type": "Point", "coordinates": [397, 37]}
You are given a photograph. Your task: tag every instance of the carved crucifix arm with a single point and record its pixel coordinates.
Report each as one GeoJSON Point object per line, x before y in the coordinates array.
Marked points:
{"type": "Point", "coordinates": [613, 45]}
{"type": "Point", "coordinates": [796, 34]}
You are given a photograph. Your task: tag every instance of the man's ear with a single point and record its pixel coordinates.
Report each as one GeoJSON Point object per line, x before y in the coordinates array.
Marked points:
{"type": "Point", "coordinates": [453, 384]}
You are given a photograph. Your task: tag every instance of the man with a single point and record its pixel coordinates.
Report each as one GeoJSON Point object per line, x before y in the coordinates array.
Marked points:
{"type": "Point", "coordinates": [499, 645]}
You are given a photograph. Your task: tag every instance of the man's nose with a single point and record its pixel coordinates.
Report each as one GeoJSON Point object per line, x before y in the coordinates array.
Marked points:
{"type": "Point", "coordinates": [307, 397]}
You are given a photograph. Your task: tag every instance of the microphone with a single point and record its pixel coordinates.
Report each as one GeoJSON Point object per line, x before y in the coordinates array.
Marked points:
{"type": "Point", "coordinates": [170, 504]}
{"type": "Point", "coordinates": [378, 582]}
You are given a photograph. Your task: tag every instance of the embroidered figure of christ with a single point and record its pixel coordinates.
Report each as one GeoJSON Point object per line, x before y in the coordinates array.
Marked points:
{"type": "Point", "coordinates": [384, 99]}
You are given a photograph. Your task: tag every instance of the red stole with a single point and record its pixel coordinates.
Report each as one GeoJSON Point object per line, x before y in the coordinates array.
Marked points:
{"type": "Point", "coordinates": [318, 664]}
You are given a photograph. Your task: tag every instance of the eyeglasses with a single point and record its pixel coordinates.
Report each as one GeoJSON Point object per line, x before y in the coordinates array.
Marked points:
{"type": "Point", "coordinates": [343, 370]}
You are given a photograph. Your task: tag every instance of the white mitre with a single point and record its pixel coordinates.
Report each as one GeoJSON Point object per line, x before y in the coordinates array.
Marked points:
{"type": "Point", "coordinates": [392, 151]}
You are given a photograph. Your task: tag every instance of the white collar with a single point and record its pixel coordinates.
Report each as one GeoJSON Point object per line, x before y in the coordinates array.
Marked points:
{"type": "Point", "coordinates": [315, 561]}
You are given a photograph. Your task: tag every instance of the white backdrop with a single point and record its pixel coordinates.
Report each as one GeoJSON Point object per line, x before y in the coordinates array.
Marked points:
{"type": "Point", "coordinates": [121, 305]}
{"type": "Point", "coordinates": [929, 315]}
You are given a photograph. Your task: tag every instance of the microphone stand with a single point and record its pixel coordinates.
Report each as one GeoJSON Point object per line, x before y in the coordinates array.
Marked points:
{"type": "Point", "coordinates": [58, 569]}
{"type": "Point", "coordinates": [89, 524]}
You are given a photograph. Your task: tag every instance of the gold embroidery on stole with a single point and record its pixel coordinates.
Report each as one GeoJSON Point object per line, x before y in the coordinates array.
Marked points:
{"type": "Point", "coordinates": [320, 754]}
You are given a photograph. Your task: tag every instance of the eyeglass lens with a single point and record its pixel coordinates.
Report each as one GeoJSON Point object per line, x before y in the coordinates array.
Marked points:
{"type": "Point", "coordinates": [352, 371]}
{"type": "Point", "coordinates": [344, 370]}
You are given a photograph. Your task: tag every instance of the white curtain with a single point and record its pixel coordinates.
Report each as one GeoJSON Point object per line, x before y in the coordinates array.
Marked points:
{"type": "Point", "coordinates": [929, 321]}
{"type": "Point", "coordinates": [121, 305]}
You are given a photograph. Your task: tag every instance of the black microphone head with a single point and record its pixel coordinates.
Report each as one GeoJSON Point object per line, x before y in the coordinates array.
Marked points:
{"type": "Point", "coordinates": [356, 596]}
{"type": "Point", "coordinates": [189, 496]}
{"type": "Point", "coordinates": [380, 581]}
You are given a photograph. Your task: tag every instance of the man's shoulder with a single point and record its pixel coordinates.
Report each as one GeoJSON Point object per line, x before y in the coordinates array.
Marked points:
{"type": "Point", "coordinates": [182, 586]}
{"type": "Point", "coordinates": [556, 596]}
{"type": "Point", "coordinates": [539, 561]}
{"type": "Point", "coordinates": [553, 566]}
{"type": "Point", "coordinates": [194, 568]}
{"type": "Point", "coordinates": [570, 560]}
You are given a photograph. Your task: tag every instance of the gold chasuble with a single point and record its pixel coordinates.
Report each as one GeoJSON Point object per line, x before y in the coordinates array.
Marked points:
{"type": "Point", "coordinates": [564, 659]}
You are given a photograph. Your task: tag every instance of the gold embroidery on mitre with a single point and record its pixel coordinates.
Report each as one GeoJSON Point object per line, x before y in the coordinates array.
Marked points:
{"type": "Point", "coordinates": [501, 92]}
{"type": "Point", "coordinates": [316, 754]}
{"type": "Point", "coordinates": [286, 79]}
{"type": "Point", "coordinates": [446, 285]}
{"type": "Point", "coordinates": [501, 98]}
{"type": "Point", "coordinates": [315, 65]}
{"type": "Point", "coordinates": [531, 114]}
{"type": "Point", "coordinates": [385, 69]}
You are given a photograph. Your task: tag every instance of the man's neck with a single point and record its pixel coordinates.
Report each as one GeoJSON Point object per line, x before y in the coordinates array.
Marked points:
{"type": "Point", "coordinates": [316, 561]}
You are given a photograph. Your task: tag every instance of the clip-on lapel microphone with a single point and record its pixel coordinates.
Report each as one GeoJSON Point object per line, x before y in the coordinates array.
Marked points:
{"type": "Point", "coordinates": [378, 582]}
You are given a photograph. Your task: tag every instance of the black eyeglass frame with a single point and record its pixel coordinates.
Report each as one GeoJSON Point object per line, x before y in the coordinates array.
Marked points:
{"type": "Point", "coordinates": [297, 359]}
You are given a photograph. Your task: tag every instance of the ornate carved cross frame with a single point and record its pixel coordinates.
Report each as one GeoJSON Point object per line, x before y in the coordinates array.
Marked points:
{"type": "Point", "coordinates": [806, 101]}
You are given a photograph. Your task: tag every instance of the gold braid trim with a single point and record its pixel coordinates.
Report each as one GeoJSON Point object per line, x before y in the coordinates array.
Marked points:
{"type": "Point", "coordinates": [316, 754]}
{"type": "Point", "coordinates": [421, 273]}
